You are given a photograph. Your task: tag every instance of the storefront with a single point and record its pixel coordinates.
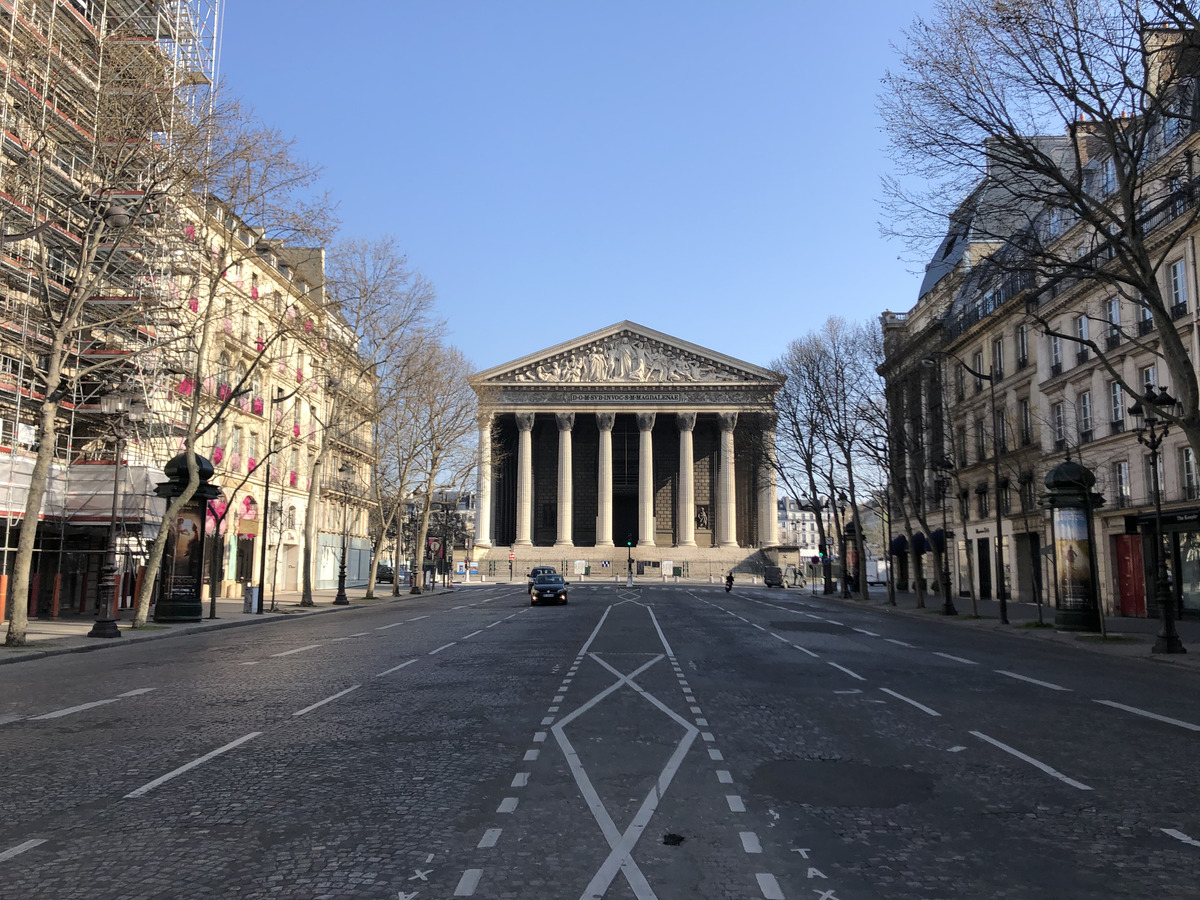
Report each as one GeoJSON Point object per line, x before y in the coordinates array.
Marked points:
{"type": "Point", "coordinates": [1181, 531]}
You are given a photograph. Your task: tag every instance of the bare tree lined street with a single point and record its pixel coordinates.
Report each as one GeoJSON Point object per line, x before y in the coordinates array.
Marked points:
{"type": "Point", "coordinates": [666, 741]}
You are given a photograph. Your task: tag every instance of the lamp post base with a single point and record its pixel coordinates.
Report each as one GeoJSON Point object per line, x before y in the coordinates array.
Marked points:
{"type": "Point", "coordinates": [1168, 644]}
{"type": "Point", "coordinates": [948, 608]}
{"type": "Point", "coordinates": [104, 628]}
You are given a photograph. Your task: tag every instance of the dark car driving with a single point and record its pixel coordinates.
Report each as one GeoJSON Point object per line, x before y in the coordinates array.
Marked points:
{"type": "Point", "coordinates": [548, 589]}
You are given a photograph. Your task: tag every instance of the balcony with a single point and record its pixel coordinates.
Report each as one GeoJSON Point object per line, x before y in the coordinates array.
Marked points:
{"type": "Point", "coordinates": [1081, 357]}
{"type": "Point", "coordinates": [1112, 342]}
{"type": "Point", "coordinates": [1060, 444]}
{"type": "Point", "coordinates": [1022, 362]}
{"type": "Point", "coordinates": [1117, 426]}
{"type": "Point", "coordinates": [1085, 436]}
{"type": "Point", "coordinates": [1179, 310]}
{"type": "Point", "coordinates": [1055, 369]}
{"type": "Point", "coordinates": [1145, 326]}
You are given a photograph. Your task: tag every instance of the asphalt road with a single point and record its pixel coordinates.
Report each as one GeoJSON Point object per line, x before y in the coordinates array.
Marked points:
{"type": "Point", "coordinates": [666, 741]}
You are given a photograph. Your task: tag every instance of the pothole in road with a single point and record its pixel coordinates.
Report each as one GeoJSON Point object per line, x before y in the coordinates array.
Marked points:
{"type": "Point", "coordinates": [833, 783]}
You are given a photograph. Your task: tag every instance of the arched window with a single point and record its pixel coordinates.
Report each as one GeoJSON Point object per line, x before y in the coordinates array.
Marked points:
{"type": "Point", "coordinates": [240, 374]}
{"type": "Point", "coordinates": [223, 367]}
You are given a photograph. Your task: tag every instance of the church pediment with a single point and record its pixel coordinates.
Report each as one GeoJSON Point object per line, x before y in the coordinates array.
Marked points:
{"type": "Point", "coordinates": [627, 354]}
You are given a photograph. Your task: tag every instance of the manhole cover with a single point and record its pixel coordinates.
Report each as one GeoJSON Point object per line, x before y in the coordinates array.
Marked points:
{"type": "Point", "coordinates": [811, 627]}
{"type": "Point", "coordinates": [832, 783]}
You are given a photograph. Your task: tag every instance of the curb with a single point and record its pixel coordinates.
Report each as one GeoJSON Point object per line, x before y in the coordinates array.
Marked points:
{"type": "Point", "coordinates": [221, 626]}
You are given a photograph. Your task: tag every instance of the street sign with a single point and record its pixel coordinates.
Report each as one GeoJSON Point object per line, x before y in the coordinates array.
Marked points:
{"type": "Point", "coordinates": [604, 564]}
{"type": "Point", "coordinates": [511, 555]}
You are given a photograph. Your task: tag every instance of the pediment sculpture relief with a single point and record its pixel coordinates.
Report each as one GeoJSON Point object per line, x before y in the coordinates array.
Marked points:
{"type": "Point", "coordinates": [627, 359]}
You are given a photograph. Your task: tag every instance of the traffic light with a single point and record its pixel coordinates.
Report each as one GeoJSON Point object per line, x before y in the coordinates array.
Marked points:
{"type": "Point", "coordinates": [629, 540]}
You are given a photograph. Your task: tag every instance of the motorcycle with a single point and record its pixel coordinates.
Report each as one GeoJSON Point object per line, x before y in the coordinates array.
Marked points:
{"type": "Point", "coordinates": [728, 584]}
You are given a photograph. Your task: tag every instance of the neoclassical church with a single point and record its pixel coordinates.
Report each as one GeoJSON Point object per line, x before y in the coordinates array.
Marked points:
{"type": "Point", "coordinates": [626, 435]}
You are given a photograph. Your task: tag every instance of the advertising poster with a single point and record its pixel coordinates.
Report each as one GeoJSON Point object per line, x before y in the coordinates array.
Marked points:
{"type": "Point", "coordinates": [1073, 558]}
{"type": "Point", "coordinates": [187, 558]}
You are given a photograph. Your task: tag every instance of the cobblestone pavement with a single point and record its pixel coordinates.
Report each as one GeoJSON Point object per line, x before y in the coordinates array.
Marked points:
{"type": "Point", "coordinates": [662, 742]}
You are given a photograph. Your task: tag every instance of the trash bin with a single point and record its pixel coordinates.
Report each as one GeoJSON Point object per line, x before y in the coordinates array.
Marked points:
{"type": "Point", "coordinates": [250, 598]}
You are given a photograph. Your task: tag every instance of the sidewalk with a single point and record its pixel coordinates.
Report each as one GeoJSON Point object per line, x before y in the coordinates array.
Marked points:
{"type": "Point", "coordinates": [69, 634]}
{"type": "Point", "coordinates": [1130, 638]}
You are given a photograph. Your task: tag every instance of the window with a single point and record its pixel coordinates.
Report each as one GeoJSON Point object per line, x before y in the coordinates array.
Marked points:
{"type": "Point", "coordinates": [1083, 406]}
{"type": "Point", "coordinates": [1022, 345]}
{"type": "Point", "coordinates": [1113, 314]}
{"type": "Point", "coordinates": [1025, 421]}
{"type": "Point", "coordinates": [980, 450]}
{"type": "Point", "coordinates": [977, 365]}
{"type": "Point", "coordinates": [1058, 415]}
{"type": "Point", "coordinates": [1054, 227]}
{"type": "Point", "coordinates": [998, 358]}
{"type": "Point", "coordinates": [1055, 354]}
{"type": "Point", "coordinates": [1121, 483]}
{"type": "Point", "coordinates": [1028, 502]}
{"type": "Point", "coordinates": [981, 496]}
{"type": "Point", "coordinates": [960, 441]}
{"type": "Point", "coordinates": [1148, 377]}
{"type": "Point", "coordinates": [1000, 424]}
{"type": "Point", "coordinates": [1187, 473]}
{"type": "Point", "coordinates": [1116, 401]}
{"type": "Point", "coordinates": [1145, 320]}
{"type": "Point", "coordinates": [960, 382]}
{"type": "Point", "coordinates": [1081, 327]}
{"type": "Point", "coordinates": [1108, 176]}
{"type": "Point", "coordinates": [1177, 275]}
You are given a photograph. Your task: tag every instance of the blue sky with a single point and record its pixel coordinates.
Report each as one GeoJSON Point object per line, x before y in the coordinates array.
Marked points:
{"type": "Point", "coordinates": [708, 169]}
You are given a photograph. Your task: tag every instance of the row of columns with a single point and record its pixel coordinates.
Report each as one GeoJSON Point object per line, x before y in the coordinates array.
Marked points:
{"type": "Point", "coordinates": [725, 519]}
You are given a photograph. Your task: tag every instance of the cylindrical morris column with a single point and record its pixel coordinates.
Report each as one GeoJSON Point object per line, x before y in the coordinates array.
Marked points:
{"type": "Point", "coordinates": [726, 495]}
{"type": "Point", "coordinates": [604, 523]}
{"type": "Point", "coordinates": [483, 513]}
{"type": "Point", "coordinates": [768, 515]}
{"type": "Point", "coordinates": [646, 523]}
{"type": "Point", "coordinates": [566, 482]}
{"type": "Point", "coordinates": [524, 479]}
{"type": "Point", "coordinates": [685, 513]}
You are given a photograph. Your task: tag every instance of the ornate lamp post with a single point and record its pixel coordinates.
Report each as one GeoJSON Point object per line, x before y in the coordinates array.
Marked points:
{"type": "Point", "coordinates": [942, 483]}
{"type": "Point", "coordinates": [1151, 430]}
{"type": "Point", "coordinates": [341, 599]}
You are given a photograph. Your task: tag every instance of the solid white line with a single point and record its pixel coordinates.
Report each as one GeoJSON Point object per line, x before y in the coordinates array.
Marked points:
{"type": "Point", "coordinates": [149, 786]}
{"type": "Point", "coordinates": [467, 884]}
{"type": "Point", "coordinates": [21, 848]}
{"type": "Point", "coordinates": [750, 842]}
{"type": "Point", "coordinates": [847, 671]}
{"type": "Point", "coordinates": [1149, 715]}
{"type": "Point", "coordinates": [735, 803]}
{"type": "Point", "coordinates": [441, 648]}
{"type": "Point", "coordinates": [395, 668]}
{"type": "Point", "coordinates": [1045, 684]}
{"type": "Point", "coordinates": [806, 650]}
{"type": "Point", "coordinates": [969, 662]}
{"type": "Point", "coordinates": [507, 805]}
{"type": "Point", "coordinates": [489, 838]}
{"type": "Point", "coordinates": [770, 887]}
{"type": "Point", "coordinates": [900, 643]}
{"type": "Point", "coordinates": [909, 700]}
{"type": "Point", "coordinates": [1175, 833]}
{"type": "Point", "coordinates": [309, 709]}
{"type": "Point", "coordinates": [1033, 762]}
{"type": "Point", "coordinates": [471, 635]}
{"type": "Point", "coordinates": [297, 650]}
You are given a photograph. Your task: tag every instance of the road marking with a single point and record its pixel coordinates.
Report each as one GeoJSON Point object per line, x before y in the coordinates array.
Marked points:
{"type": "Point", "coordinates": [507, 805]}
{"type": "Point", "coordinates": [309, 709]}
{"type": "Point", "coordinates": [969, 662]}
{"type": "Point", "coordinates": [459, 607]}
{"type": "Point", "coordinates": [557, 699]}
{"type": "Point", "coordinates": [723, 776]}
{"type": "Point", "coordinates": [759, 627]}
{"type": "Point", "coordinates": [1033, 762]}
{"type": "Point", "coordinates": [835, 622]}
{"type": "Point", "coordinates": [21, 848]}
{"type": "Point", "coordinates": [468, 883]}
{"type": "Point", "coordinates": [769, 886]}
{"type": "Point", "coordinates": [694, 710]}
{"type": "Point", "coordinates": [549, 720]}
{"type": "Point", "coordinates": [864, 631]}
{"type": "Point", "coordinates": [735, 803]}
{"type": "Point", "coordinates": [297, 650]}
{"type": "Point", "coordinates": [360, 634]}
{"type": "Point", "coordinates": [707, 737]}
{"type": "Point", "coordinates": [1149, 715]}
{"type": "Point", "coordinates": [958, 748]}
{"type": "Point", "coordinates": [779, 637]}
{"type": "Point", "coordinates": [212, 754]}
{"type": "Point", "coordinates": [521, 779]}
{"type": "Point", "coordinates": [59, 713]}
{"type": "Point", "coordinates": [1175, 833]}
{"type": "Point", "coordinates": [489, 838]}
{"type": "Point", "coordinates": [715, 755]}
{"type": "Point", "coordinates": [252, 663]}
{"type": "Point", "coordinates": [702, 722]}
{"type": "Point", "coordinates": [899, 643]}
{"type": "Point", "coordinates": [393, 625]}
{"type": "Point", "coordinates": [494, 624]}
{"type": "Point", "coordinates": [395, 668]}
{"type": "Point", "coordinates": [847, 671]}
{"type": "Point", "coordinates": [750, 842]}
{"type": "Point", "coordinates": [806, 650]}
{"type": "Point", "coordinates": [539, 736]}
{"type": "Point", "coordinates": [909, 700]}
{"type": "Point", "coordinates": [471, 635]}
{"type": "Point", "coordinates": [1045, 684]}
{"type": "Point", "coordinates": [441, 648]}
{"type": "Point", "coordinates": [531, 755]}
{"type": "Point", "coordinates": [416, 618]}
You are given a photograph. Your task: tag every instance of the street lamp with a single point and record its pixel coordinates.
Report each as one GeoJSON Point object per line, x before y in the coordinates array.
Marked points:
{"type": "Point", "coordinates": [1151, 430]}
{"type": "Point", "coordinates": [120, 405]}
{"type": "Point", "coordinates": [943, 486]}
{"type": "Point", "coordinates": [934, 361]}
{"type": "Point", "coordinates": [341, 599]}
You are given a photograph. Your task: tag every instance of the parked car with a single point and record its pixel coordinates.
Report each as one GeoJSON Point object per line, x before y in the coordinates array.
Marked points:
{"type": "Point", "coordinates": [548, 589]}
{"type": "Point", "coordinates": [535, 572]}
{"type": "Point", "coordinates": [384, 574]}
{"type": "Point", "coordinates": [773, 576]}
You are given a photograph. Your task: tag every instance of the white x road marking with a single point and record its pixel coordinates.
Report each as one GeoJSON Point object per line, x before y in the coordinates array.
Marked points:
{"type": "Point", "coordinates": [621, 845]}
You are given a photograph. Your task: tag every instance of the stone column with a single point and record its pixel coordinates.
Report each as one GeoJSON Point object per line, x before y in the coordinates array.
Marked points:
{"type": "Point", "coordinates": [524, 479]}
{"type": "Point", "coordinates": [566, 482]}
{"type": "Point", "coordinates": [726, 495]}
{"type": "Point", "coordinates": [768, 514]}
{"type": "Point", "coordinates": [604, 523]}
{"type": "Point", "coordinates": [685, 513]}
{"type": "Point", "coordinates": [483, 512]}
{"type": "Point", "coordinates": [646, 523]}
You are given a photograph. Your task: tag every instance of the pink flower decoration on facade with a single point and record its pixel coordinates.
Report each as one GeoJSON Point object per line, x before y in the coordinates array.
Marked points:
{"type": "Point", "coordinates": [223, 391]}
{"type": "Point", "coordinates": [299, 375]}
{"type": "Point", "coordinates": [275, 473]}
{"type": "Point", "coordinates": [296, 430]}
{"type": "Point", "coordinates": [227, 325]}
{"type": "Point", "coordinates": [218, 455]}
{"type": "Point", "coordinates": [308, 325]}
{"type": "Point", "coordinates": [253, 293]}
{"type": "Point", "coordinates": [208, 384]}
{"type": "Point", "coordinates": [243, 403]}
{"type": "Point", "coordinates": [257, 406]}
{"type": "Point", "coordinates": [291, 312]}
{"type": "Point", "coordinates": [292, 479]}
{"type": "Point", "coordinates": [258, 345]}
{"type": "Point", "coordinates": [308, 483]}
{"type": "Point", "coordinates": [186, 386]}
{"type": "Point", "coordinates": [251, 465]}
{"type": "Point", "coordinates": [189, 232]}
{"type": "Point", "coordinates": [278, 415]}
{"type": "Point", "coordinates": [193, 304]}
{"type": "Point", "coordinates": [235, 461]}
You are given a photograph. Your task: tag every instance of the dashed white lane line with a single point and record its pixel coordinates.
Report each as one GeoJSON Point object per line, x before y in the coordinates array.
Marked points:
{"type": "Point", "coordinates": [471, 635]}
{"type": "Point", "coordinates": [1173, 832]}
{"type": "Point", "coordinates": [507, 805]}
{"type": "Point", "coordinates": [750, 842]}
{"type": "Point", "coordinates": [770, 886]}
{"type": "Point", "coordinates": [1149, 715]}
{"type": "Point", "coordinates": [779, 637]}
{"type": "Point", "coordinates": [458, 607]}
{"type": "Point", "coordinates": [759, 627]}
{"type": "Point", "coordinates": [715, 755]}
{"type": "Point", "coordinates": [735, 803]}
{"type": "Point", "coordinates": [1045, 684]}
{"type": "Point", "coordinates": [466, 884]}
{"type": "Point", "coordinates": [297, 650]}
{"type": "Point", "coordinates": [1033, 762]}
{"type": "Point", "coordinates": [900, 643]}
{"type": "Point", "coordinates": [393, 625]}
{"type": "Point", "coordinates": [395, 668]}
{"type": "Point", "coordinates": [59, 713]}
{"type": "Point", "coordinates": [490, 837]}
{"type": "Point", "coordinates": [441, 648]}
{"type": "Point", "coordinates": [521, 779]}
{"type": "Point", "coordinates": [21, 848]}
{"type": "Point", "coordinates": [847, 671]}
{"type": "Point", "coordinates": [329, 699]}
{"type": "Point", "coordinates": [968, 662]}
{"type": "Point", "coordinates": [162, 779]}
{"type": "Point", "coordinates": [360, 634]}
{"type": "Point", "coordinates": [911, 702]}
{"type": "Point", "coordinates": [539, 737]}
{"type": "Point", "coordinates": [416, 618]}
{"type": "Point", "coordinates": [724, 776]}
{"type": "Point", "coordinates": [494, 624]}
{"type": "Point", "coordinates": [806, 650]}
{"type": "Point", "coordinates": [864, 631]}
{"type": "Point", "coordinates": [531, 755]}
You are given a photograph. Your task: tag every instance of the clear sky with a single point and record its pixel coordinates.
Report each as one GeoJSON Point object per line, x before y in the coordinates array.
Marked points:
{"type": "Point", "coordinates": [708, 169]}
